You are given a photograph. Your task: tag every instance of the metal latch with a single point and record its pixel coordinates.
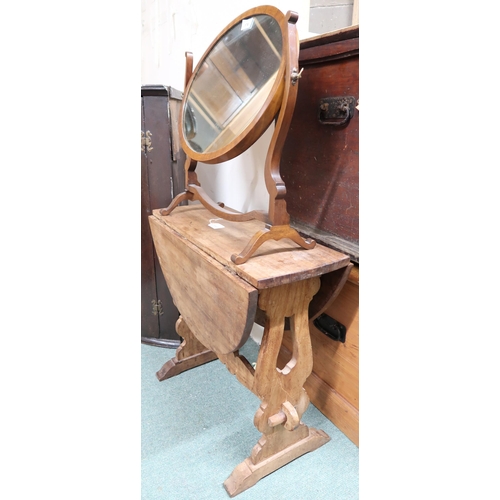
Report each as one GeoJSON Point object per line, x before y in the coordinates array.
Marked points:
{"type": "Point", "coordinates": [336, 111]}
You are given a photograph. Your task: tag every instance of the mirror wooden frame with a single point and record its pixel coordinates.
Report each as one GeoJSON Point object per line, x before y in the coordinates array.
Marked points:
{"type": "Point", "coordinates": [279, 106]}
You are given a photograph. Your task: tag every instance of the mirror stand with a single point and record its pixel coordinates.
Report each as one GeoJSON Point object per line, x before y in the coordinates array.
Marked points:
{"type": "Point", "coordinates": [277, 219]}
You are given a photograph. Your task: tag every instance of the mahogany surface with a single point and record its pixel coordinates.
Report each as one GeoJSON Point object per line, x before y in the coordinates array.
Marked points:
{"type": "Point", "coordinates": [320, 163]}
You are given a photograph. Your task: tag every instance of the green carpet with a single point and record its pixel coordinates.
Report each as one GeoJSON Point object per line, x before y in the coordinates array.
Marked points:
{"type": "Point", "coordinates": [197, 426]}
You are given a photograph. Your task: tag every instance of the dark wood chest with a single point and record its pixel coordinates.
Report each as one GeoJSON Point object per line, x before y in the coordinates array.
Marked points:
{"type": "Point", "coordinates": [320, 167]}
{"type": "Point", "coordinates": [162, 177]}
{"type": "Point", "coordinates": [321, 155]}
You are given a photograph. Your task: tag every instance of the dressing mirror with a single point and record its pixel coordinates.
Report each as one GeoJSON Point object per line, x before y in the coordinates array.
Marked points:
{"type": "Point", "coordinates": [231, 86]}
{"type": "Point", "coordinates": [246, 79]}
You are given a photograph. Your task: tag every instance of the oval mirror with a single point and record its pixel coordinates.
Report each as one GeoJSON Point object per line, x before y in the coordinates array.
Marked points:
{"type": "Point", "coordinates": [235, 90]}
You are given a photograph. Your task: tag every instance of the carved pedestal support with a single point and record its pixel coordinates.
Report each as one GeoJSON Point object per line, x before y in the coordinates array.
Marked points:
{"type": "Point", "coordinates": [247, 473]}
{"type": "Point", "coordinates": [283, 398]}
{"type": "Point", "coordinates": [189, 354]}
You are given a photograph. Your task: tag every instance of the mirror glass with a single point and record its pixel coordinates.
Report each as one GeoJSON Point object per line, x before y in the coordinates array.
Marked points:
{"type": "Point", "coordinates": [232, 83]}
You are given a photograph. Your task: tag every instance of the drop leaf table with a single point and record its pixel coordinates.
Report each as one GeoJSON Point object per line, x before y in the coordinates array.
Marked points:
{"type": "Point", "coordinates": [219, 301]}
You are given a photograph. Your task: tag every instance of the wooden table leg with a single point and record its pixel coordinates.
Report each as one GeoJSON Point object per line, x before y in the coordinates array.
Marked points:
{"type": "Point", "coordinates": [189, 354]}
{"type": "Point", "coordinates": [283, 398]}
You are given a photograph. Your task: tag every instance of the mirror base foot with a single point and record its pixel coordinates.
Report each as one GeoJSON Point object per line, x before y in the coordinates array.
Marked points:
{"type": "Point", "coordinates": [272, 233]}
{"type": "Point", "coordinates": [186, 196]}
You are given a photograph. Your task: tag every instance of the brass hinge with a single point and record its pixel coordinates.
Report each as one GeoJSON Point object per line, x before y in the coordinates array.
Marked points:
{"type": "Point", "coordinates": [157, 308]}
{"type": "Point", "coordinates": [146, 146]}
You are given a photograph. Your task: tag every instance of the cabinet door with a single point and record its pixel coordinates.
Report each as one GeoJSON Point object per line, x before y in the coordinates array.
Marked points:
{"type": "Point", "coordinates": [158, 311]}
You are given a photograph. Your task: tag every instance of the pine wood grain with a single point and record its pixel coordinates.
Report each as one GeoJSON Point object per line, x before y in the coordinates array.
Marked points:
{"type": "Point", "coordinates": [334, 407]}
{"type": "Point", "coordinates": [218, 306]}
{"type": "Point", "coordinates": [273, 264]}
{"type": "Point", "coordinates": [247, 473]}
{"type": "Point", "coordinates": [275, 387]}
{"type": "Point", "coordinates": [189, 354]}
{"type": "Point", "coordinates": [332, 404]}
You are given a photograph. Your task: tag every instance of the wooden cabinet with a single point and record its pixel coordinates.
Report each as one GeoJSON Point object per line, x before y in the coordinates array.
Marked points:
{"type": "Point", "coordinates": [162, 177]}
{"type": "Point", "coordinates": [320, 167]}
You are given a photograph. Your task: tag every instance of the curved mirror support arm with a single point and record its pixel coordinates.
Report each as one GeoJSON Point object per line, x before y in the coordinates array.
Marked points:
{"type": "Point", "coordinates": [275, 185]}
{"type": "Point", "coordinates": [191, 177]}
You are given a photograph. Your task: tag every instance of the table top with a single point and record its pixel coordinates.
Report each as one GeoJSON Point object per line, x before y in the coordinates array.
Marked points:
{"type": "Point", "coordinates": [274, 263]}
